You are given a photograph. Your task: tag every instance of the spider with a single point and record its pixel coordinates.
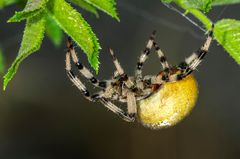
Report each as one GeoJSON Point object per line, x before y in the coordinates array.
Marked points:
{"type": "Point", "coordinates": [157, 101]}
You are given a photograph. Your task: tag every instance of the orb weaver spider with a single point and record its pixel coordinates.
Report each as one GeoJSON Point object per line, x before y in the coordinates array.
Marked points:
{"type": "Point", "coordinates": [157, 101]}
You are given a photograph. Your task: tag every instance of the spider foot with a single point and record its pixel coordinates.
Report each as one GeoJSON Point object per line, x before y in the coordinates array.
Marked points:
{"type": "Point", "coordinates": [127, 117]}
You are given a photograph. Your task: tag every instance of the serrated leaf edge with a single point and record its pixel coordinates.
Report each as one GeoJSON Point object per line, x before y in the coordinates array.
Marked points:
{"type": "Point", "coordinates": [115, 15]}
{"type": "Point", "coordinates": [14, 67]}
{"type": "Point", "coordinates": [95, 54]}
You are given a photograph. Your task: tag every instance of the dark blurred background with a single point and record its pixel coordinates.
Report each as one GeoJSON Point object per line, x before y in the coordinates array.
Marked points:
{"type": "Point", "coordinates": [43, 116]}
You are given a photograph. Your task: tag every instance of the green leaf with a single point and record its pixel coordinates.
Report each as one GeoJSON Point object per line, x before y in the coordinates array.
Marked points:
{"type": "Point", "coordinates": [224, 2]}
{"type": "Point", "coordinates": [4, 3]}
{"type": "Point", "coordinates": [32, 8]}
{"type": "Point", "coordinates": [107, 6]}
{"type": "Point", "coordinates": [86, 6]}
{"type": "Point", "coordinates": [227, 33]}
{"type": "Point", "coordinates": [2, 63]}
{"type": "Point", "coordinates": [54, 32]}
{"type": "Point", "coordinates": [32, 39]}
{"type": "Point", "coordinates": [75, 26]}
{"type": "Point", "coordinates": [204, 5]}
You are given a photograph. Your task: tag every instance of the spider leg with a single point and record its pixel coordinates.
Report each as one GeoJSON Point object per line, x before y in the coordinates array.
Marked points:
{"type": "Point", "coordinates": [125, 116]}
{"type": "Point", "coordinates": [131, 103]}
{"type": "Point", "coordinates": [119, 69]}
{"type": "Point", "coordinates": [82, 69]}
{"type": "Point", "coordinates": [96, 97]}
{"type": "Point", "coordinates": [151, 43]}
{"type": "Point", "coordinates": [163, 61]}
{"type": "Point", "coordinates": [195, 59]}
{"type": "Point", "coordinates": [74, 79]}
{"type": "Point", "coordinates": [115, 74]}
{"type": "Point", "coordinates": [120, 72]}
{"type": "Point", "coordinates": [161, 56]}
{"type": "Point", "coordinates": [144, 56]}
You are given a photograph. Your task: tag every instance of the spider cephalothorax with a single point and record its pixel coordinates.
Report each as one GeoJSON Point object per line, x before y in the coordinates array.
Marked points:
{"type": "Point", "coordinates": [156, 101]}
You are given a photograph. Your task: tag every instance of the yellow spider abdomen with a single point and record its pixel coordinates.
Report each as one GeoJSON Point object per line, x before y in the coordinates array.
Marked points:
{"type": "Point", "coordinates": [169, 105]}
